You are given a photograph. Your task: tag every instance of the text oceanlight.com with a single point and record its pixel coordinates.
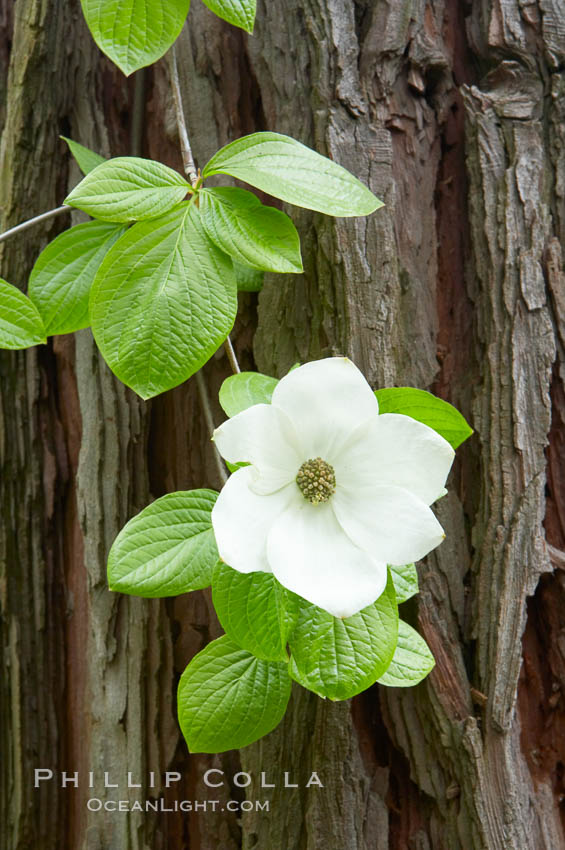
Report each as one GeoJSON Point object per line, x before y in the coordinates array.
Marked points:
{"type": "Point", "coordinates": [94, 804]}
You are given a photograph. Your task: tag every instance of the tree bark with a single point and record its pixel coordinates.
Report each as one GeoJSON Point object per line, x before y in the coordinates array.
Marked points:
{"type": "Point", "coordinates": [453, 114]}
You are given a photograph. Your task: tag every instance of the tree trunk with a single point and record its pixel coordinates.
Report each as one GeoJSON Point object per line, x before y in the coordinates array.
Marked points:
{"type": "Point", "coordinates": [453, 113]}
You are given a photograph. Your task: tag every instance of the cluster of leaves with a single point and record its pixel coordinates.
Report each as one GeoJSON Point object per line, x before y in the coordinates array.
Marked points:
{"type": "Point", "coordinates": [161, 293]}
{"type": "Point", "coordinates": [237, 688]}
{"type": "Point", "coordinates": [135, 33]}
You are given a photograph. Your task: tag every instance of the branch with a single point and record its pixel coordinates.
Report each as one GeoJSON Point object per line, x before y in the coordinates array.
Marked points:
{"type": "Point", "coordinates": [192, 174]}
{"type": "Point", "coordinates": [138, 113]}
{"type": "Point", "coordinates": [231, 356]}
{"type": "Point", "coordinates": [31, 221]}
{"type": "Point", "coordinates": [186, 150]}
{"type": "Point", "coordinates": [190, 167]}
{"type": "Point", "coordinates": [135, 142]}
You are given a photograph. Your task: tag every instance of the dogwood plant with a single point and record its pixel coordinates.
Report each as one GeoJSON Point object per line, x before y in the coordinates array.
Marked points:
{"type": "Point", "coordinates": [334, 491]}
{"type": "Point", "coordinates": [309, 547]}
{"type": "Point", "coordinates": [156, 272]}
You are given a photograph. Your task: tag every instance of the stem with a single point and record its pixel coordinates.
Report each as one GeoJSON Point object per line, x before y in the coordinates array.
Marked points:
{"type": "Point", "coordinates": [192, 174]}
{"type": "Point", "coordinates": [31, 221]}
{"type": "Point", "coordinates": [190, 167]}
{"type": "Point", "coordinates": [209, 419]}
{"type": "Point", "coordinates": [231, 356]}
{"type": "Point", "coordinates": [138, 113]}
{"type": "Point", "coordinates": [186, 150]}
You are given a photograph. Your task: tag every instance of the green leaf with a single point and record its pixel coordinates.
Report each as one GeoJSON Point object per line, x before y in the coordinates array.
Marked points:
{"type": "Point", "coordinates": [227, 698]}
{"type": "Point", "coordinates": [20, 323]}
{"type": "Point", "coordinates": [254, 610]}
{"type": "Point", "coordinates": [338, 658]}
{"type": "Point", "coordinates": [60, 281]}
{"type": "Point", "coordinates": [248, 280]}
{"type": "Point", "coordinates": [426, 408]}
{"type": "Point", "coordinates": [289, 170]}
{"type": "Point", "coordinates": [86, 159]}
{"type": "Point", "coordinates": [238, 392]}
{"type": "Point", "coordinates": [250, 232]}
{"type": "Point", "coordinates": [167, 549]}
{"type": "Point", "coordinates": [405, 581]}
{"type": "Point", "coordinates": [233, 467]}
{"type": "Point", "coordinates": [412, 659]}
{"type": "Point", "coordinates": [240, 13]}
{"type": "Point", "coordinates": [163, 301]}
{"type": "Point", "coordinates": [128, 188]}
{"type": "Point", "coordinates": [134, 33]}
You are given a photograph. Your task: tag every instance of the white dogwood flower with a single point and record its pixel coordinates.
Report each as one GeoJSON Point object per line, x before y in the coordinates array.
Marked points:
{"type": "Point", "coordinates": [334, 491]}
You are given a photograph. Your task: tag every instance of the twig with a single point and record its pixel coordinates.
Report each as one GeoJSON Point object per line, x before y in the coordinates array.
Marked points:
{"type": "Point", "coordinates": [135, 142]}
{"type": "Point", "coordinates": [189, 166]}
{"type": "Point", "coordinates": [186, 150]}
{"type": "Point", "coordinates": [231, 356]}
{"type": "Point", "coordinates": [209, 419]}
{"type": "Point", "coordinates": [138, 113]}
{"type": "Point", "coordinates": [31, 221]}
{"type": "Point", "coordinates": [192, 174]}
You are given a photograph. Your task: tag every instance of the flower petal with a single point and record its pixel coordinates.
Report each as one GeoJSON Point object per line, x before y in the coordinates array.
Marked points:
{"type": "Point", "coordinates": [397, 450]}
{"type": "Point", "coordinates": [325, 400]}
{"type": "Point", "coordinates": [241, 521]}
{"type": "Point", "coordinates": [264, 437]}
{"type": "Point", "coordinates": [311, 555]}
{"type": "Point", "coordinates": [390, 522]}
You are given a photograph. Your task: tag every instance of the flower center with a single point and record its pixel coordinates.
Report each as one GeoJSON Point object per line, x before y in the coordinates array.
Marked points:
{"type": "Point", "coordinates": [316, 480]}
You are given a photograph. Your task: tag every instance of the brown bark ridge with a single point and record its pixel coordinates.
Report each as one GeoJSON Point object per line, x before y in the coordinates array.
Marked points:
{"type": "Point", "coordinates": [453, 114]}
